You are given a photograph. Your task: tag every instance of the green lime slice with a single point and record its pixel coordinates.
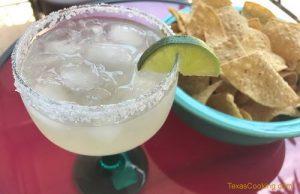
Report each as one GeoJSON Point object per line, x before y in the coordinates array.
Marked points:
{"type": "Point", "coordinates": [195, 57]}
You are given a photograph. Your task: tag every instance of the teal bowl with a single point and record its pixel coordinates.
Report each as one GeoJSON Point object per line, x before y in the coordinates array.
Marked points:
{"type": "Point", "coordinates": [223, 127]}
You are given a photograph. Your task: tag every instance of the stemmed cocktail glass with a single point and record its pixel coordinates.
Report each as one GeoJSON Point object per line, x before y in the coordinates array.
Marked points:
{"type": "Point", "coordinates": [105, 135]}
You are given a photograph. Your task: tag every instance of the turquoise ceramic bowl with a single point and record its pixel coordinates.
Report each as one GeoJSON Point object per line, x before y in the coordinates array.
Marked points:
{"type": "Point", "coordinates": [223, 127]}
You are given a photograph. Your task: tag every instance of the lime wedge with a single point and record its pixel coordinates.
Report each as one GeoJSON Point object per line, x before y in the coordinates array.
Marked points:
{"type": "Point", "coordinates": [195, 57]}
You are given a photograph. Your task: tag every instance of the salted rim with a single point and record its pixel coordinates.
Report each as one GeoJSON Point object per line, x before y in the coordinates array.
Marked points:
{"type": "Point", "coordinates": [102, 114]}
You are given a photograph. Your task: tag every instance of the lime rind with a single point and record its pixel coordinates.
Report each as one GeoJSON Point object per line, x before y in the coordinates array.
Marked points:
{"type": "Point", "coordinates": [195, 57]}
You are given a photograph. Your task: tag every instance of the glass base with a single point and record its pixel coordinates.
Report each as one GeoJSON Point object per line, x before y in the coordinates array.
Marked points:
{"type": "Point", "coordinates": [92, 179]}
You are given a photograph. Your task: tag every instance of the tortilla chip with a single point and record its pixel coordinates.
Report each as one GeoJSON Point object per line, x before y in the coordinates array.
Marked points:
{"type": "Point", "coordinates": [241, 99]}
{"type": "Point", "coordinates": [175, 28]}
{"type": "Point", "coordinates": [205, 94]}
{"type": "Point", "coordinates": [276, 61]}
{"type": "Point", "coordinates": [291, 77]}
{"type": "Point", "coordinates": [233, 22]}
{"type": "Point", "coordinates": [295, 66]}
{"type": "Point", "coordinates": [285, 40]}
{"type": "Point", "coordinates": [181, 19]}
{"type": "Point", "coordinates": [255, 77]}
{"type": "Point", "coordinates": [186, 17]}
{"type": "Point", "coordinates": [263, 113]}
{"type": "Point", "coordinates": [193, 84]}
{"type": "Point", "coordinates": [257, 55]}
{"type": "Point", "coordinates": [254, 10]}
{"type": "Point", "coordinates": [228, 49]}
{"type": "Point", "coordinates": [255, 23]}
{"type": "Point", "coordinates": [217, 3]}
{"type": "Point", "coordinates": [259, 112]}
{"type": "Point", "coordinates": [298, 69]}
{"type": "Point", "coordinates": [245, 114]}
{"type": "Point", "coordinates": [254, 40]}
{"type": "Point", "coordinates": [224, 102]}
{"type": "Point", "coordinates": [226, 88]}
{"type": "Point", "coordinates": [213, 80]}
{"type": "Point", "coordinates": [204, 20]}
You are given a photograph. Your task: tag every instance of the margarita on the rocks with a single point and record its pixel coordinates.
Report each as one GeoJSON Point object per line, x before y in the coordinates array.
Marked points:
{"type": "Point", "coordinates": [90, 62]}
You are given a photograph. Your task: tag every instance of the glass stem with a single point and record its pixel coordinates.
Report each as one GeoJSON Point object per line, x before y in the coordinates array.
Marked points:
{"type": "Point", "coordinates": [112, 162]}
{"type": "Point", "coordinates": [124, 172]}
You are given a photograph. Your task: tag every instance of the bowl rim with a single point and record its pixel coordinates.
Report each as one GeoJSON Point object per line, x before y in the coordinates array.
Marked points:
{"type": "Point", "coordinates": [278, 129]}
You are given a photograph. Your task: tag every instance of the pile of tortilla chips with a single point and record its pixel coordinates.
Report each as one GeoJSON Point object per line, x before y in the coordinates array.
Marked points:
{"type": "Point", "coordinates": [259, 55]}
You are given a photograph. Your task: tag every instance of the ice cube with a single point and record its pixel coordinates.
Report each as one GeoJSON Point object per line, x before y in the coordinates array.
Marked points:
{"type": "Point", "coordinates": [123, 77]}
{"type": "Point", "coordinates": [73, 61]}
{"type": "Point", "coordinates": [36, 66]}
{"type": "Point", "coordinates": [142, 83]}
{"type": "Point", "coordinates": [127, 34]}
{"type": "Point", "coordinates": [92, 28]}
{"type": "Point", "coordinates": [97, 67]}
{"type": "Point", "coordinates": [137, 58]}
{"type": "Point", "coordinates": [38, 46]}
{"type": "Point", "coordinates": [123, 93]}
{"type": "Point", "coordinates": [145, 81]}
{"type": "Point", "coordinates": [92, 97]}
{"type": "Point", "coordinates": [49, 76]}
{"type": "Point", "coordinates": [113, 57]}
{"type": "Point", "coordinates": [60, 33]}
{"type": "Point", "coordinates": [105, 80]}
{"type": "Point", "coordinates": [88, 22]}
{"type": "Point", "coordinates": [62, 41]}
{"type": "Point", "coordinates": [151, 38]}
{"type": "Point", "coordinates": [98, 30]}
{"type": "Point", "coordinates": [78, 77]}
{"type": "Point", "coordinates": [70, 24]}
{"type": "Point", "coordinates": [127, 92]}
{"type": "Point", "coordinates": [66, 47]}
{"type": "Point", "coordinates": [54, 92]}
{"type": "Point", "coordinates": [95, 33]}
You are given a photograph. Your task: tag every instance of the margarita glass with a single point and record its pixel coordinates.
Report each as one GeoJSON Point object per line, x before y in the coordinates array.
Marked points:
{"type": "Point", "coordinates": [106, 134]}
